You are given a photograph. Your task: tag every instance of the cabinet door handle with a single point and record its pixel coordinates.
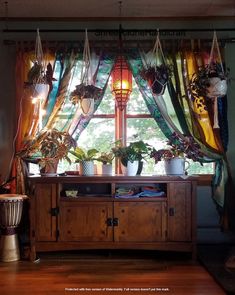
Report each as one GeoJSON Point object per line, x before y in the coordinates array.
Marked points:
{"type": "Point", "coordinates": [171, 211]}
{"type": "Point", "coordinates": [109, 222]}
{"type": "Point", "coordinates": [115, 222]}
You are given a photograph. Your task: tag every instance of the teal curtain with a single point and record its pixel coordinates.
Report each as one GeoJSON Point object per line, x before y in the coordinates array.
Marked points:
{"type": "Point", "coordinates": [61, 113]}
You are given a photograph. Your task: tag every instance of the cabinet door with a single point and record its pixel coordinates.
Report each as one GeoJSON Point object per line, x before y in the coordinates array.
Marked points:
{"type": "Point", "coordinates": [179, 212]}
{"type": "Point", "coordinates": [45, 223]}
{"type": "Point", "coordinates": [85, 221]}
{"type": "Point", "coordinates": [140, 221]}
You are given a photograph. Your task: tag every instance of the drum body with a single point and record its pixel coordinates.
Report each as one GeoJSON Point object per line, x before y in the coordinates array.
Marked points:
{"type": "Point", "coordinates": [11, 206]}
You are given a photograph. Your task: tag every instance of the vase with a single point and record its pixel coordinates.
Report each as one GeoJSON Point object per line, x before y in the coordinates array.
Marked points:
{"type": "Point", "coordinates": [49, 168]}
{"type": "Point", "coordinates": [131, 168]}
{"type": "Point", "coordinates": [217, 88]}
{"type": "Point", "coordinates": [87, 105]}
{"type": "Point", "coordinates": [87, 168]}
{"type": "Point", "coordinates": [107, 169]}
{"type": "Point", "coordinates": [176, 166]}
{"type": "Point", "coordinates": [42, 90]}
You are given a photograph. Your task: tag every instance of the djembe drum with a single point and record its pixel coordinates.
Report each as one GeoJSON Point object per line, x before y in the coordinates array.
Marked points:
{"type": "Point", "coordinates": [11, 206]}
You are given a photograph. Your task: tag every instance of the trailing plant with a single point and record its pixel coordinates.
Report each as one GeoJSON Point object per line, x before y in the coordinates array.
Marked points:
{"type": "Point", "coordinates": [201, 80]}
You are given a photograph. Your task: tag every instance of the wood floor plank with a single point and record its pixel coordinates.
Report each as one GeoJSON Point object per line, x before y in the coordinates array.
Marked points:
{"type": "Point", "coordinates": [106, 274]}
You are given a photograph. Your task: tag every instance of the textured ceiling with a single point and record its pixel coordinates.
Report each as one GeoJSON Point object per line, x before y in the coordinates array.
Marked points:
{"type": "Point", "coordinates": [110, 8]}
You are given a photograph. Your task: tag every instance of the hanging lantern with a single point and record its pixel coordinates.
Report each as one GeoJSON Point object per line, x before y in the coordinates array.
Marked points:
{"type": "Point", "coordinates": [121, 82]}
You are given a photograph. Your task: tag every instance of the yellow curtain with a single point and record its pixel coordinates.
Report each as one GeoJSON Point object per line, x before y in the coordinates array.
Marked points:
{"type": "Point", "coordinates": [26, 111]}
{"type": "Point", "coordinates": [199, 105]}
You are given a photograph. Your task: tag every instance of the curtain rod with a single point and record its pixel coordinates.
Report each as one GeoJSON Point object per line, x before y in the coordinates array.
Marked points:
{"type": "Point", "coordinates": [117, 30]}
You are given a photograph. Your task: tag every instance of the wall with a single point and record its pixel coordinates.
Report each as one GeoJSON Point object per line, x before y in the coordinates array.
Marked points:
{"type": "Point", "coordinates": [206, 217]}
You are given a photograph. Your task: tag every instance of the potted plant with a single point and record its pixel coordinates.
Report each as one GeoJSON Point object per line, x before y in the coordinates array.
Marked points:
{"type": "Point", "coordinates": [106, 159]}
{"type": "Point", "coordinates": [86, 96]}
{"type": "Point", "coordinates": [40, 82]}
{"type": "Point", "coordinates": [131, 155]}
{"type": "Point", "coordinates": [48, 147]}
{"type": "Point", "coordinates": [175, 156]}
{"type": "Point", "coordinates": [209, 81]}
{"type": "Point", "coordinates": [157, 77]}
{"type": "Point", "coordinates": [86, 159]}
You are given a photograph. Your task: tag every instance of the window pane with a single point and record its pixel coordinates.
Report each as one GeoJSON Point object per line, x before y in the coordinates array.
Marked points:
{"type": "Point", "coordinates": [107, 105]}
{"type": "Point", "coordinates": [136, 103]}
{"type": "Point", "coordinates": [98, 134]}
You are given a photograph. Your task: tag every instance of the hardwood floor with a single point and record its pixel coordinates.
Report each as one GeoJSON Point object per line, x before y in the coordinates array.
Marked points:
{"type": "Point", "coordinates": [102, 272]}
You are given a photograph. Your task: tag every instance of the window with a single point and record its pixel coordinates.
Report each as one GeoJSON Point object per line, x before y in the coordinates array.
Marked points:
{"type": "Point", "coordinates": [136, 123]}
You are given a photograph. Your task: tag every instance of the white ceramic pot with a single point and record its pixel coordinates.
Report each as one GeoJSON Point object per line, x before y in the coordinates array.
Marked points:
{"type": "Point", "coordinates": [107, 169]}
{"type": "Point", "coordinates": [87, 168]}
{"type": "Point", "coordinates": [217, 88]}
{"type": "Point", "coordinates": [131, 168]}
{"type": "Point", "coordinates": [42, 90]}
{"type": "Point", "coordinates": [176, 166]}
{"type": "Point", "coordinates": [87, 105]}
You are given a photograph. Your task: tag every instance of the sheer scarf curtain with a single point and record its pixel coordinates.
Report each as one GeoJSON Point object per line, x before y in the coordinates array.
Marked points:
{"type": "Point", "coordinates": [60, 112]}
{"type": "Point", "coordinates": [177, 111]}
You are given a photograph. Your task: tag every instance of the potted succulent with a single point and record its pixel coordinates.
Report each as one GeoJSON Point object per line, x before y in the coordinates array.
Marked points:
{"type": "Point", "coordinates": [47, 148]}
{"type": "Point", "coordinates": [106, 160]}
{"type": "Point", "coordinates": [85, 159]}
{"type": "Point", "coordinates": [130, 156]}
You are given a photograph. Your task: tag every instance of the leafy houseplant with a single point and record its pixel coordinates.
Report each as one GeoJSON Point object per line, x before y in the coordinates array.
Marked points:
{"type": "Point", "coordinates": [49, 146]}
{"type": "Point", "coordinates": [86, 160]}
{"type": "Point", "coordinates": [134, 152]}
{"type": "Point", "coordinates": [106, 160]}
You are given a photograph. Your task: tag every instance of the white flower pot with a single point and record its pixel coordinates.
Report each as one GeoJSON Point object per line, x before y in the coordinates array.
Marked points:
{"type": "Point", "coordinates": [42, 90]}
{"type": "Point", "coordinates": [107, 169]}
{"type": "Point", "coordinates": [87, 105]}
{"type": "Point", "coordinates": [217, 88]}
{"type": "Point", "coordinates": [176, 166]}
{"type": "Point", "coordinates": [87, 168]}
{"type": "Point", "coordinates": [131, 168]}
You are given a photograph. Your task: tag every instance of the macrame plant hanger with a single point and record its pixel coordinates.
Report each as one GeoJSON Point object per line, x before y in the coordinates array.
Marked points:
{"type": "Point", "coordinates": [214, 49]}
{"type": "Point", "coordinates": [158, 53]}
{"type": "Point", "coordinates": [41, 87]}
{"type": "Point", "coordinates": [86, 103]}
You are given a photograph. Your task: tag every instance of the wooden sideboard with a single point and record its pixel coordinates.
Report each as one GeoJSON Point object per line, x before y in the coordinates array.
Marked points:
{"type": "Point", "coordinates": [96, 219]}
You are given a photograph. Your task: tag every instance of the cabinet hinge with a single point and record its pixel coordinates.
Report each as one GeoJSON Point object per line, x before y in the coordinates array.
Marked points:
{"type": "Point", "coordinates": [55, 211]}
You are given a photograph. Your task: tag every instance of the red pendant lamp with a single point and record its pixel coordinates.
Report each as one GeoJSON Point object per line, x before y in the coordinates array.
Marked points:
{"type": "Point", "coordinates": [121, 82]}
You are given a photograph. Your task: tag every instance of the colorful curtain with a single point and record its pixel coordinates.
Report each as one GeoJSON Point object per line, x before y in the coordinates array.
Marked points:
{"type": "Point", "coordinates": [177, 111]}
{"type": "Point", "coordinates": [61, 113]}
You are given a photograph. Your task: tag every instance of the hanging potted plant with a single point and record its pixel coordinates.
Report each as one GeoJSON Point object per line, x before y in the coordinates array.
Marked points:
{"type": "Point", "coordinates": [157, 73]}
{"type": "Point", "coordinates": [85, 93]}
{"type": "Point", "coordinates": [210, 81]}
{"type": "Point", "coordinates": [85, 159]}
{"type": "Point", "coordinates": [40, 76]}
